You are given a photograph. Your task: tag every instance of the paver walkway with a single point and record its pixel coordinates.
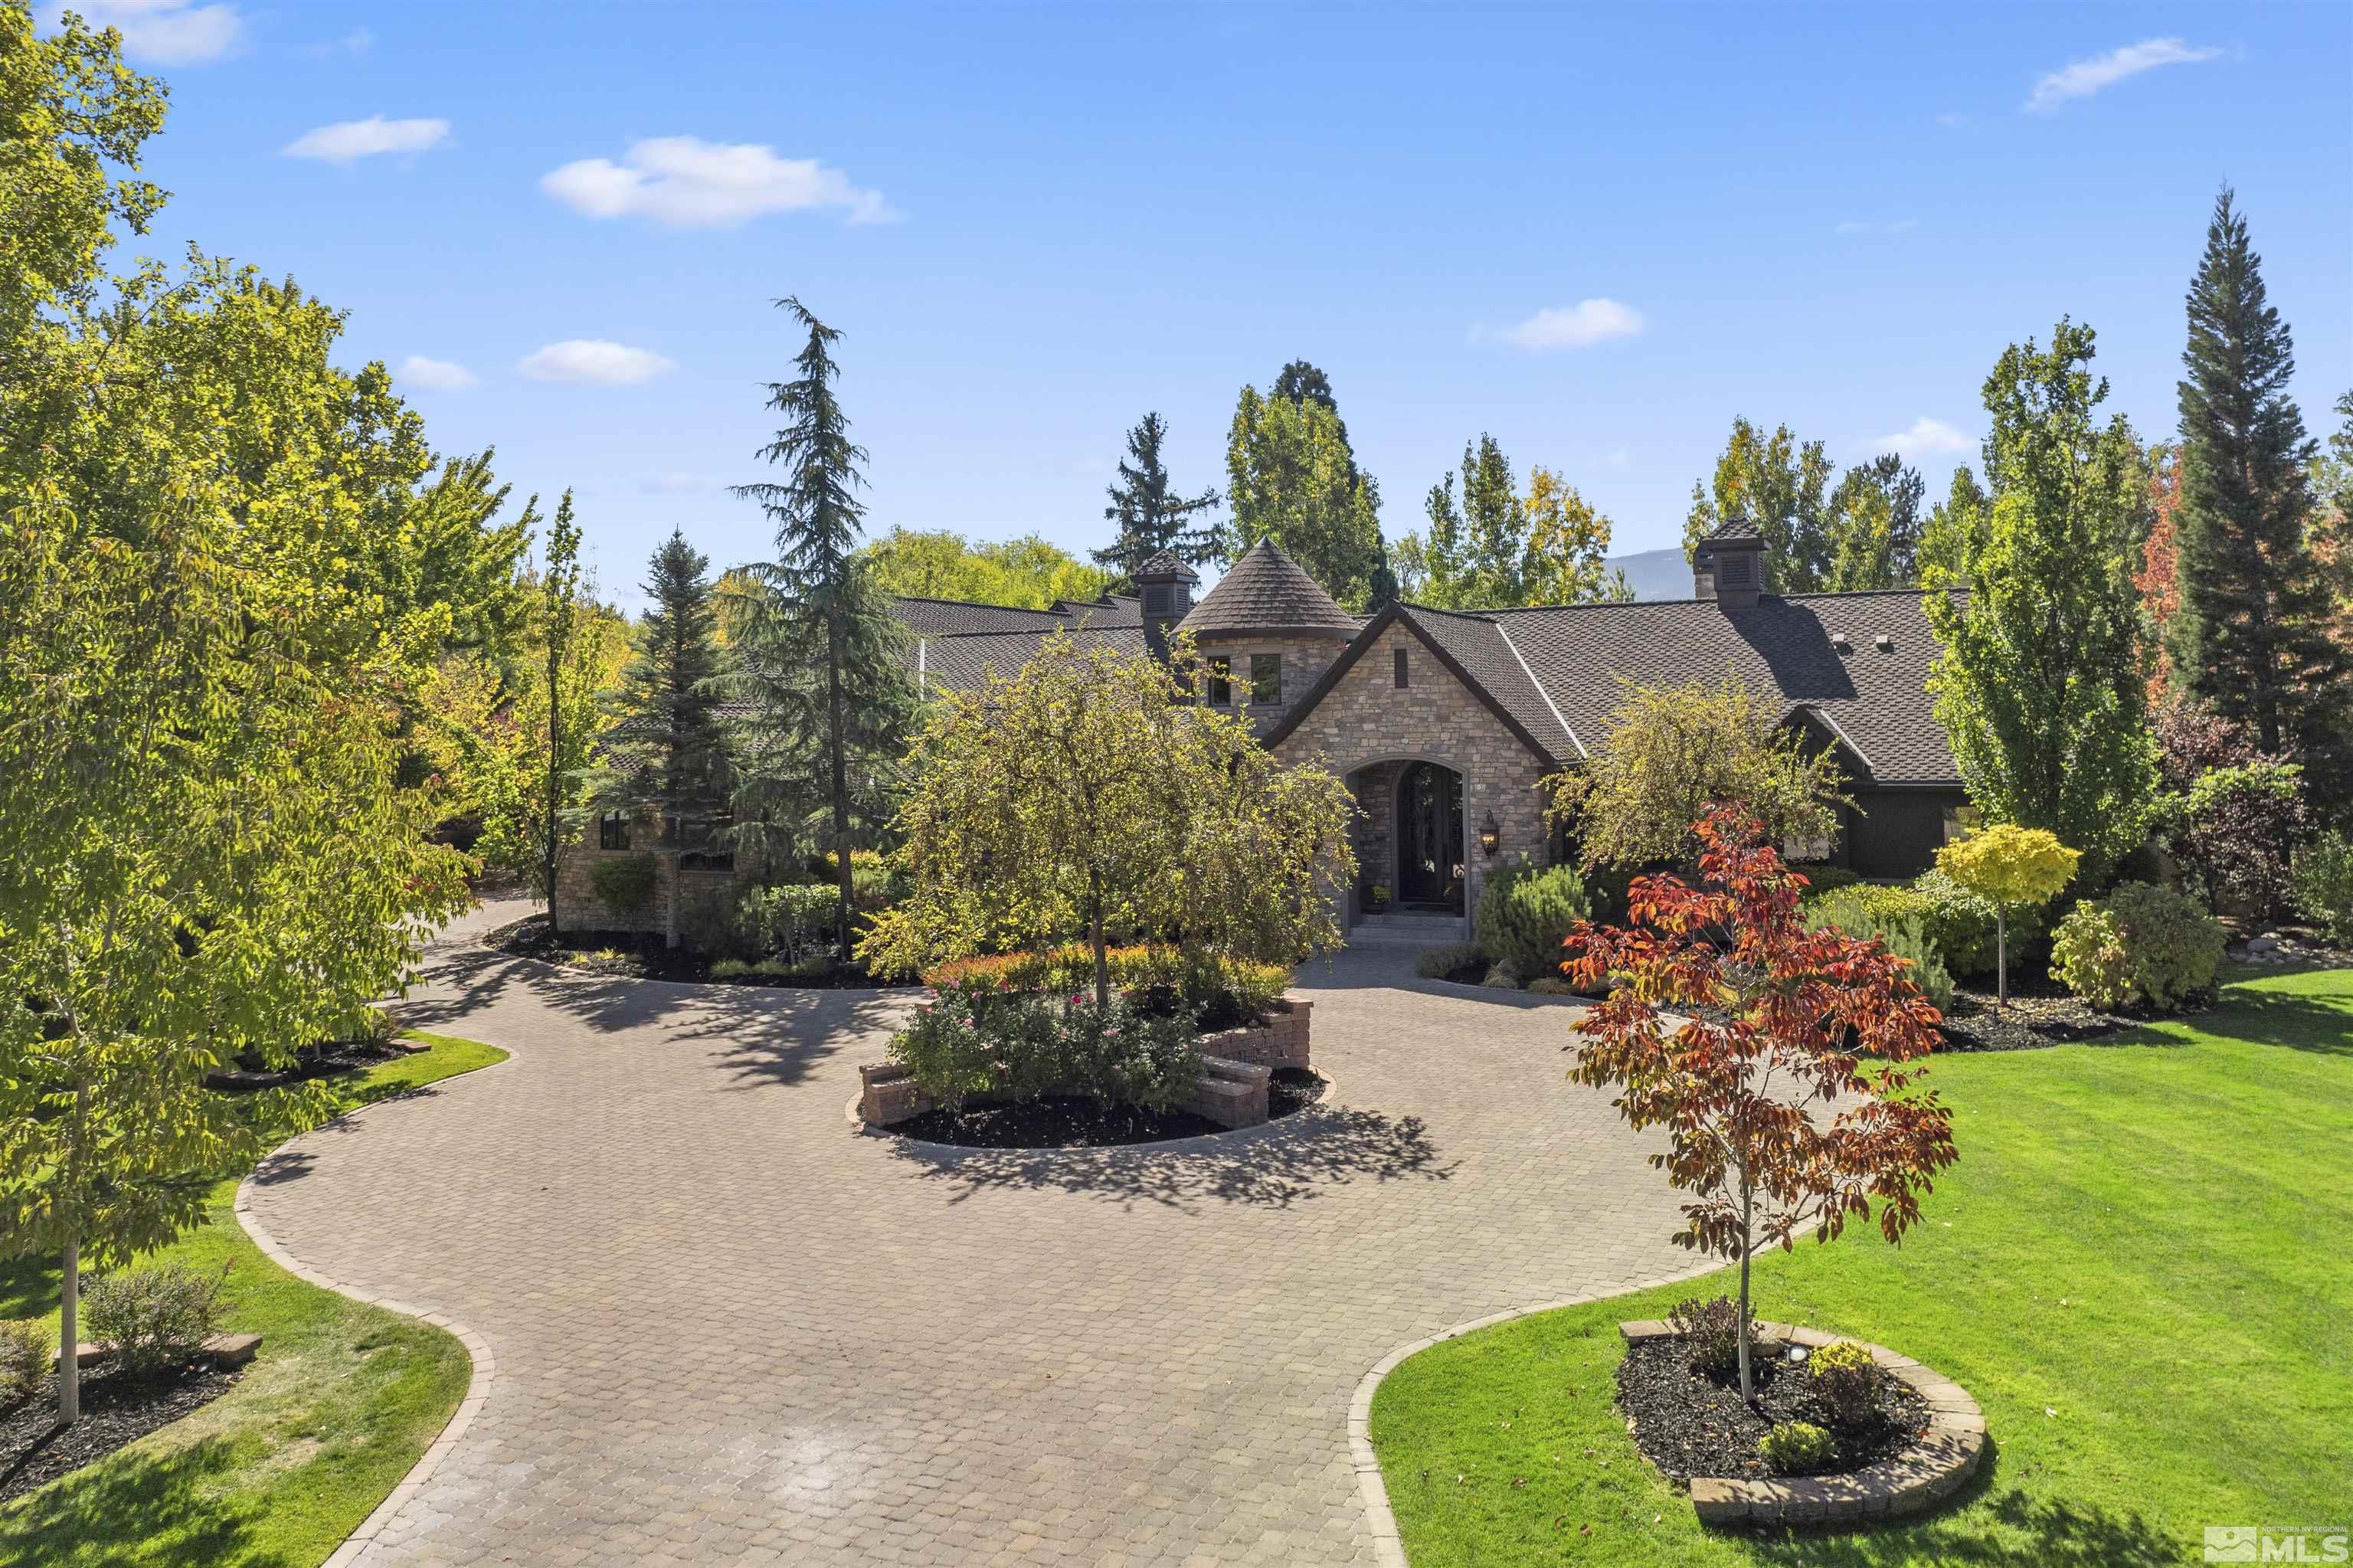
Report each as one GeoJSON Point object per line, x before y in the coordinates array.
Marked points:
{"type": "Point", "coordinates": [730, 1329]}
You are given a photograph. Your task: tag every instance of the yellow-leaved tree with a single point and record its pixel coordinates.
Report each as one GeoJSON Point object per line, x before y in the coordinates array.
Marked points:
{"type": "Point", "coordinates": [2009, 867]}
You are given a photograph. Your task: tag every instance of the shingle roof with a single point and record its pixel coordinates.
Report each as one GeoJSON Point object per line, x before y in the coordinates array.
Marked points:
{"type": "Point", "coordinates": [922, 616]}
{"type": "Point", "coordinates": [1735, 526]}
{"type": "Point", "coordinates": [1166, 564]}
{"type": "Point", "coordinates": [962, 661]}
{"type": "Point", "coordinates": [1266, 592]}
{"type": "Point", "coordinates": [1556, 673]}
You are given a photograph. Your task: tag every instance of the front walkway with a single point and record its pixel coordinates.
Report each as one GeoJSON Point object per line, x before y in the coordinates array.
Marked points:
{"type": "Point", "coordinates": [730, 1329]}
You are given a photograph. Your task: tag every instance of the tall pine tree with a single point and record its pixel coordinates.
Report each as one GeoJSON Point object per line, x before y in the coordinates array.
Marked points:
{"type": "Point", "coordinates": [818, 518]}
{"type": "Point", "coordinates": [1151, 516]}
{"type": "Point", "coordinates": [2250, 633]}
{"type": "Point", "coordinates": [666, 754]}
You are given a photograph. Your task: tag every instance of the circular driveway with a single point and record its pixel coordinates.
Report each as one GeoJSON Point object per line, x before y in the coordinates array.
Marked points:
{"type": "Point", "coordinates": [729, 1328]}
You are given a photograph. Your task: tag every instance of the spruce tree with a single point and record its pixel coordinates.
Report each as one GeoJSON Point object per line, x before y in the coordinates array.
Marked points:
{"type": "Point", "coordinates": [818, 518]}
{"type": "Point", "coordinates": [2250, 633]}
{"type": "Point", "coordinates": [1151, 517]}
{"type": "Point", "coordinates": [666, 752]}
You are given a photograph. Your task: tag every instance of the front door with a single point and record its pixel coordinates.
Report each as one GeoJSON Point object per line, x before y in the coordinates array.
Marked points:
{"type": "Point", "coordinates": [1430, 837]}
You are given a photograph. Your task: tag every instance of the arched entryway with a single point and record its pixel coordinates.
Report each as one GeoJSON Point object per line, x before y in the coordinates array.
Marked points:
{"type": "Point", "coordinates": [1429, 863]}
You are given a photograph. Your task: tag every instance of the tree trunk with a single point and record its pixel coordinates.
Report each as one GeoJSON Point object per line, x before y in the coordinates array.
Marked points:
{"type": "Point", "coordinates": [670, 905]}
{"type": "Point", "coordinates": [2000, 960]}
{"type": "Point", "coordinates": [1747, 1388]}
{"type": "Point", "coordinates": [1103, 967]}
{"type": "Point", "coordinates": [841, 771]}
{"type": "Point", "coordinates": [70, 1337]}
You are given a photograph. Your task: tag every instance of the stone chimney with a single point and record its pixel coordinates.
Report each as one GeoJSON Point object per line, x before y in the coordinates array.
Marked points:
{"type": "Point", "coordinates": [1166, 584]}
{"type": "Point", "coordinates": [1729, 565]}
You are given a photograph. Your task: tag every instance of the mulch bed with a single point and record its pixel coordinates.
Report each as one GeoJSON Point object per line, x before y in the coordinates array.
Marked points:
{"type": "Point", "coordinates": [116, 1410]}
{"type": "Point", "coordinates": [325, 1060]}
{"type": "Point", "coordinates": [1073, 1121]}
{"type": "Point", "coordinates": [637, 955]}
{"type": "Point", "coordinates": [1689, 1425]}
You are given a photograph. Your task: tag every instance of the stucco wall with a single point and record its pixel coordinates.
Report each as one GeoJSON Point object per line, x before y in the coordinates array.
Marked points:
{"type": "Point", "coordinates": [1366, 719]}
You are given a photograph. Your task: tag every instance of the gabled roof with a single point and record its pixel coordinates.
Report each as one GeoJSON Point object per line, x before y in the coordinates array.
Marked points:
{"type": "Point", "coordinates": [962, 661]}
{"type": "Point", "coordinates": [1266, 594]}
{"type": "Point", "coordinates": [1555, 676]}
{"type": "Point", "coordinates": [922, 615]}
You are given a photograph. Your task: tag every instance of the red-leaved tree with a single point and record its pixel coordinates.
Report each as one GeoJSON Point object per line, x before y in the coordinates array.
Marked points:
{"type": "Point", "coordinates": [1774, 1055]}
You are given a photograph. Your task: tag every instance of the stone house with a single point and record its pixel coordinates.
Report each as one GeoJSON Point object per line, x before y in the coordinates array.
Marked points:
{"type": "Point", "coordinates": [1444, 724]}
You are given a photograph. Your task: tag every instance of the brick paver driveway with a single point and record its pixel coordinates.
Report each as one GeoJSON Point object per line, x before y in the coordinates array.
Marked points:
{"type": "Point", "coordinates": [730, 1329]}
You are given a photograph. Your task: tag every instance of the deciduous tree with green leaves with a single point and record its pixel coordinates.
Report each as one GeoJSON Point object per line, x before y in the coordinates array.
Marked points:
{"type": "Point", "coordinates": [1779, 485]}
{"type": "Point", "coordinates": [2009, 867]}
{"type": "Point", "coordinates": [1873, 527]}
{"type": "Point", "coordinates": [1675, 753]}
{"type": "Point", "coordinates": [1024, 573]}
{"type": "Point", "coordinates": [204, 852]}
{"type": "Point", "coordinates": [2039, 684]}
{"type": "Point", "coordinates": [1291, 478]}
{"type": "Point", "coordinates": [1090, 799]}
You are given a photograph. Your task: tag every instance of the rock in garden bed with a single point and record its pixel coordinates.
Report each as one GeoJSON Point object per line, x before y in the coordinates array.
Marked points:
{"type": "Point", "coordinates": [1073, 1121]}
{"type": "Point", "coordinates": [116, 1410]}
{"type": "Point", "coordinates": [1691, 1425]}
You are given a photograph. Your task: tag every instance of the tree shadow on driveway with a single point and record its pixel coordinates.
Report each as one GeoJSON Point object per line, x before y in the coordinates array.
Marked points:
{"type": "Point", "coordinates": [1273, 1166]}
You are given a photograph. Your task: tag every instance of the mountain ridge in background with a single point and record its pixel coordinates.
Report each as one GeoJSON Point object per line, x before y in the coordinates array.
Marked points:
{"type": "Point", "coordinates": [1655, 574]}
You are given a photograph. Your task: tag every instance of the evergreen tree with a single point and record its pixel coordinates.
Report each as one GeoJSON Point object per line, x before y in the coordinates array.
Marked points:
{"type": "Point", "coordinates": [817, 516]}
{"type": "Point", "coordinates": [666, 752]}
{"type": "Point", "coordinates": [1303, 383]}
{"type": "Point", "coordinates": [2250, 633]}
{"type": "Point", "coordinates": [1873, 527]}
{"type": "Point", "coordinates": [2040, 681]}
{"type": "Point", "coordinates": [777, 672]}
{"type": "Point", "coordinates": [1150, 518]}
{"type": "Point", "coordinates": [559, 587]}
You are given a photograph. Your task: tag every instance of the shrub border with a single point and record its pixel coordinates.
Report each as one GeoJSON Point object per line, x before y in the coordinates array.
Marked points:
{"type": "Point", "coordinates": [1934, 1465]}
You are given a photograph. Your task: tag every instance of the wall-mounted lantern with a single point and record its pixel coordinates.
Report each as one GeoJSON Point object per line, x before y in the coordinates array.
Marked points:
{"type": "Point", "coordinates": [1491, 838]}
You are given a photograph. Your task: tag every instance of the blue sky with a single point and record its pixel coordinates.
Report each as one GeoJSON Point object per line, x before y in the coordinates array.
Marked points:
{"type": "Point", "coordinates": [1599, 235]}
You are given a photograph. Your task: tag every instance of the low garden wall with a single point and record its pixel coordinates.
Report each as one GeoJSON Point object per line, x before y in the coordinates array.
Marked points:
{"type": "Point", "coordinates": [1279, 1041]}
{"type": "Point", "coordinates": [1936, 1464]}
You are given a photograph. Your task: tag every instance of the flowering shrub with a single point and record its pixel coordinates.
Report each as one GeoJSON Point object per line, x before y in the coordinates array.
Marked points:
{"type": "Point", "coordinates": [969, 1042]}
{"type": "Point", "coordinates": [2322, 885]}
{"type": "Point", "coordinates": [2140, 944]}
{"type": "Point", "coordinates": [1846, 1381]}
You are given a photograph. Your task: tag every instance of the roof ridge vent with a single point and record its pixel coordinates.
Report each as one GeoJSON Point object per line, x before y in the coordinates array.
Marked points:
{"type": "Point", "coordinates": [1884, 642]}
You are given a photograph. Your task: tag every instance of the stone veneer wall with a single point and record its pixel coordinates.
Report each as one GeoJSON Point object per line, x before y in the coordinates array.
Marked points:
{"type": "Point", "coordinates": [577, 907]}
{"type": "Point", "coordinates": [1374, 830]}
{"type": "Point", "coordinates": [1305, 660]}
{"type": "Point", "coordinates": [1366, 719]}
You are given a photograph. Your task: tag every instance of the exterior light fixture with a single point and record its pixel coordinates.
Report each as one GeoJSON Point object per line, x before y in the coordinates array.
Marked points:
{"type": "Point", "coordinates": [1491, 838]}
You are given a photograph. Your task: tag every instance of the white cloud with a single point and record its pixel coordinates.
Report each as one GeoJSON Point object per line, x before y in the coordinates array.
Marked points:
{"type": "Point", "coordinates": [1586, 323]}
{"type": "Point", "coordinates": [168, 32]}
{"type": "Point", "coordinates": [593, 361]}
{"type": "Point", "coordinates": [688, 182]}
{"type": "Point", "coordinates": [358, 41]}
{"type": "Point", "coordinates": [1926, 437]}
{"type": "Point", "coordinates": [2085, 78]}
{"type": "Point", "coordinates": [1900, 225]}
{"type": "Point", "coordinates": [350, 139]}
{"type": "Point", "coordinates": [676, 481]}
{"type": "Point", "coordinates": [435, 374]}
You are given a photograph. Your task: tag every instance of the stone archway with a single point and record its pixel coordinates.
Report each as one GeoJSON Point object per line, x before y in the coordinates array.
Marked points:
{"type": "Point", "coordinates": [1379, 840]}
{"type": "Point", "coordinates": [1431, 864]}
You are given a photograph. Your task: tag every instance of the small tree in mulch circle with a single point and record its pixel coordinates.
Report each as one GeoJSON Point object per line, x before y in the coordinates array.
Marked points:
{"type": "Point", "coordinates": [1772, 1025]}
{"type": "Point", "coordinates": [2009, 867]}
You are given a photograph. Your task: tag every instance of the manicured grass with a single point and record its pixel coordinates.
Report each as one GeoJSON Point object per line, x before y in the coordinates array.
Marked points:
{"type": "Point", "coordinates": [277, 1472]}
{"type": "Point", "coordinates": [2138, 1268]}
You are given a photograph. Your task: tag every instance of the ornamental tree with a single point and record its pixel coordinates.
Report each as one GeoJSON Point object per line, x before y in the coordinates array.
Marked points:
{"type": "Point", "coordinates": [1088, 798]}
{"type": "Point", "coordinates": [1747, 1090]}
{"type": "Point", "coordinates": [2009, 866]}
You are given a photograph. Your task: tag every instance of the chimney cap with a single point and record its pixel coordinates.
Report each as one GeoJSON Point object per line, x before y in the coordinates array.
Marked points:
{"type": "Point", "coordinates": [1168, 565]}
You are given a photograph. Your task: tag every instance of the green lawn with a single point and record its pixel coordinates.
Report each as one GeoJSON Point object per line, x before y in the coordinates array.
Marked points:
{"type": "Point", "coordinates": [2139, 1269]}
{"type": "Point", "coordinates": [277, 1472]}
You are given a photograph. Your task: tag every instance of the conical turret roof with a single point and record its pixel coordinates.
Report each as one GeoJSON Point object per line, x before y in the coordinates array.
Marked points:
{"type": "Point", "coordinates": [1265, 592]}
